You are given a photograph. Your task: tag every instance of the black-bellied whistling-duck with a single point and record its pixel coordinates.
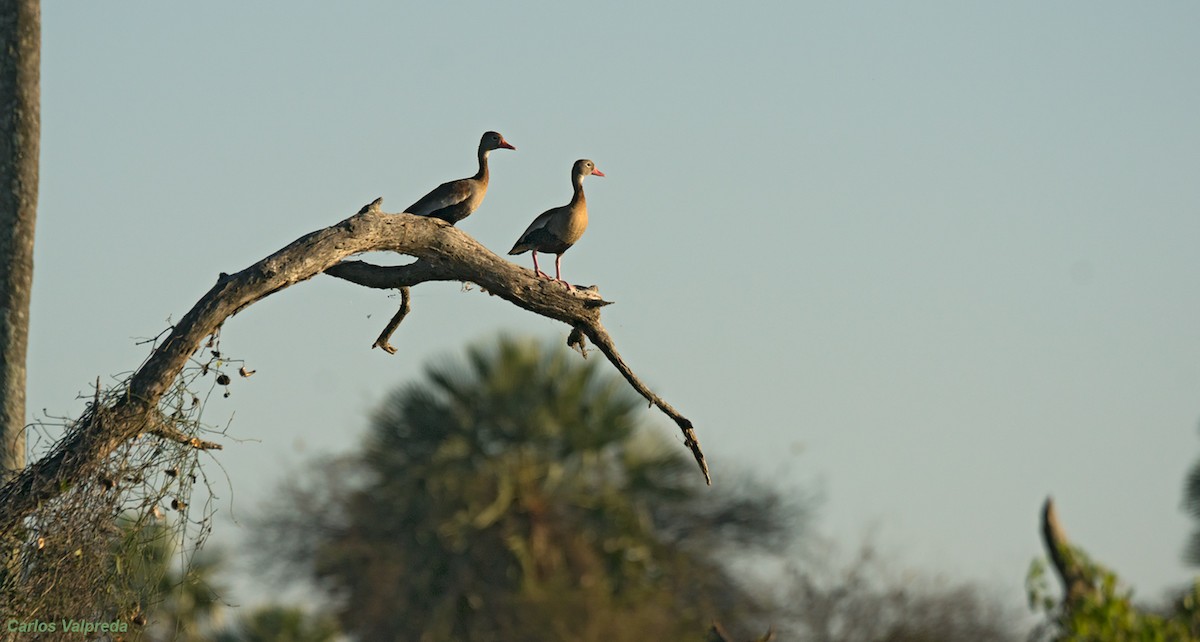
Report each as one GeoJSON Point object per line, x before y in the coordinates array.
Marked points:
{"type": "Point", "coordinates": [454, 201]}
{"type": "Point", "coordinates": [557, 229]}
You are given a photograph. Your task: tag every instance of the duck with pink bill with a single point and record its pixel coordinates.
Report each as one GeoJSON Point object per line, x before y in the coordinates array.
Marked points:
{"type": "Point", "coordinates": [557, 229]}
{"type": "Point", "coordinates": [455, 200]}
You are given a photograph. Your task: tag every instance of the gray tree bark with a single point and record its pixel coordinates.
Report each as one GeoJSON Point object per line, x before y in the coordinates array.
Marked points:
{"type": "Point", "coordinates": [20, 129]}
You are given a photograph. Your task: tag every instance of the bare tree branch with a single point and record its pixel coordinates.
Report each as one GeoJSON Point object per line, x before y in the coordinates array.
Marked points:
{"type": "Point", "coordinates": [167, 431]}
{"type": "Point", "coordinates": [600, 337]}
{"type": "Point", "coordinates": [382, 341]}
{"type": "Point", "coordinates": [582, 314]}
{"type": "Point", "coordinates": [1075, 577]}
{"type": "Point", "coordinates": [442, 253]}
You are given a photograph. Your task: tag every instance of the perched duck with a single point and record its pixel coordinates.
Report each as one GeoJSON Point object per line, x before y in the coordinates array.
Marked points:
{"type": "Point", "coordinates": [559, 228]}
{"type": "Point", "coordinates": [454, 201]}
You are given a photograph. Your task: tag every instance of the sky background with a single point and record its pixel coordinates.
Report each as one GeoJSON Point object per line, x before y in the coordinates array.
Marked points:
{"type": "Point", "coordinates": [932, 260]}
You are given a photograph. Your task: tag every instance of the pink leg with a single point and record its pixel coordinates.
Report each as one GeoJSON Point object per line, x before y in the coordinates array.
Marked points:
{"type": "Point", "coordinates": [558, 272]}
{"type": "Point", "coordinates": [536, 270]}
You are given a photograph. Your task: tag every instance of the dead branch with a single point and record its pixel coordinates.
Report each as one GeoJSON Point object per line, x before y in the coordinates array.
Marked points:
{"type": "Point", "coordinates": [1076, 579]}
{"type": "Point", "coordinates": [600, 337]}
{"type": "Point", "coordinates": [382, 341]}
{"type": "Point", "coordinates": [166, 431]}
{"type": "Point", "coordinates": [442, 253]}
{"type": "Point", "coordinates": [584, 317]}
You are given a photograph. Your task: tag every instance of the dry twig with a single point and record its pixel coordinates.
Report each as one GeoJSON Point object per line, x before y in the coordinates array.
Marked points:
{"type": "Point", "coordinates": [382, 341]}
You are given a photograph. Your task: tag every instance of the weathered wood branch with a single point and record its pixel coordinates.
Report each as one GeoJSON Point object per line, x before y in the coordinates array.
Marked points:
{"type": "Point", "coordinates": [442, 253]}
{"type": "Point", "coordinates": [601, 338]}
{"type": "Point", "coordinates": [390, 329]}
{"type": "Point", "coordinates": [1075, 576]}
{"type": "Point", "coordinates": [579, 309]}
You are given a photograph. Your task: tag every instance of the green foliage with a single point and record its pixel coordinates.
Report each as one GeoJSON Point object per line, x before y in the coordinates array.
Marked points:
{"type": "Point", "coordinates": [178, 600]}
{"type": "Point", "coordinates": [1103, 610]}
{"type": "Point", "coordinates": [175, 599]}
{"type": "Point", "coordinates": [281, 624]}
{"type": "Point", "coordinates": [519, 496]}
{"type": "Point", "coordinates": [1191, 503]}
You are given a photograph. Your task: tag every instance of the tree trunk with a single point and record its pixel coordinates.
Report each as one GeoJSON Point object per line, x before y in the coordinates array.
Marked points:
{"type": "Point", "coordinates": [20, 128]}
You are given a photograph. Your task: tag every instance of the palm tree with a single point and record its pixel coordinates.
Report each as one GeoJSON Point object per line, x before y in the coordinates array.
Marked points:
{"type": "Point", "coordinates": [519, 495]}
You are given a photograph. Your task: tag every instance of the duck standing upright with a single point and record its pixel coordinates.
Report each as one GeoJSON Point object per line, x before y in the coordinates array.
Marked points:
{"type": "Point", "coordinates": [557, 229]}
{"type": "Point", "coordinates": [455, 200]}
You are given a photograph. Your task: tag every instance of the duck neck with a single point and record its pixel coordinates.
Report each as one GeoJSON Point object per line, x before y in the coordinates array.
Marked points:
{"type": "Point", "coordinates": [577, 182]}
{"type": "Point", "coordinates": [482, 174]}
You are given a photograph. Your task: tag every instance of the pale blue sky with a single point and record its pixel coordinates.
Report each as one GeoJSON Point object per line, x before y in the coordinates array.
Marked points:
{"type": "Point", "coordinates": [937, 259]}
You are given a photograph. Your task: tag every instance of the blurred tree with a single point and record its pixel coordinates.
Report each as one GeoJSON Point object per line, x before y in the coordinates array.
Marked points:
{"type": "Point", "coordinates": [1106, 612]}
{"type": "Point", "coordinates": [520, 497]}
{"type": "Point", "coordinates": [1095, 605]}
{"type": "Point", "coordinates": [1191, 503]}
{"type": "Point", "coordinates": [177, 600]}
{"type": "Point", "coordinates": [865, 601]}
{"type": "Point", "coordinates": [281, 624]}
